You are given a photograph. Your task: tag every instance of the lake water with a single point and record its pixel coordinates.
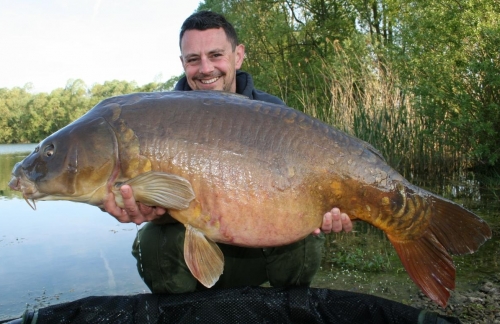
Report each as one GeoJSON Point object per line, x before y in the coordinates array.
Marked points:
{"type": "Point", "coordinates": [61, 252]}
{"type": "Point", "coordinates": [65, 251]}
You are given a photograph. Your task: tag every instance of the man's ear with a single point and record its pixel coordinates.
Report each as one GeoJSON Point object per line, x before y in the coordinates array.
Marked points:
{"type": "Point", "coordinates": [239, 52]}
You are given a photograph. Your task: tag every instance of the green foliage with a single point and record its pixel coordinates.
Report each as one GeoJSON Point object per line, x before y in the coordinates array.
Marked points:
{"type": "Point", "coordinates": [28, 118]}
{"type": "Point", "coordinates": [417, 79]}
{"type": "Point", "coordinates": [454, 74]}
{"type": "Point", "coordinates": [14, 108]}
{"type": "Point", "coordinates": [366, 249]}
{"type": "Point", "coordinates": [169, 84]}
{"type": "Point", "coordinates": [360, 259]}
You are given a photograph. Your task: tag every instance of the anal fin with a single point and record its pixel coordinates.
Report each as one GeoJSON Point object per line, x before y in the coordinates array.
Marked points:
{"type": "Point", "coordinates": [203, 257]}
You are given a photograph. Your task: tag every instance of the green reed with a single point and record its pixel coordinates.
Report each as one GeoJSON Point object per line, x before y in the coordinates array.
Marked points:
{"type": "Point", "coordinates": [365, 98]}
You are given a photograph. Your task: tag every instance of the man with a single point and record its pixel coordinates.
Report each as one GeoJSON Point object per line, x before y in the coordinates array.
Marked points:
{"type": "Point", "coordinates": [211, 57]}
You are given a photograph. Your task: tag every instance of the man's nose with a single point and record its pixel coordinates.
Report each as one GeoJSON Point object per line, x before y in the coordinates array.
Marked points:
{"type": "Point", "coordinates": [206, 66]}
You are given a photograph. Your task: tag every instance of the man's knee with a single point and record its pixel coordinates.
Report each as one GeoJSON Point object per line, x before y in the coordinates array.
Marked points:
{"type": "Point", "coordinates": [158, 250]}
{"type": "Point", "coordinates": [295, 264]}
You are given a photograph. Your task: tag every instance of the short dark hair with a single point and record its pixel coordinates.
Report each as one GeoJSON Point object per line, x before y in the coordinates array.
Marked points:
{"type": "Point", "coordinates": [204, 20]}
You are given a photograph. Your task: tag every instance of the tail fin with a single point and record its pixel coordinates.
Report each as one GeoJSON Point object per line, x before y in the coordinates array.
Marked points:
{"type": "Point", "coordinates": [452, 229]}
{"type": "Point", "coordinates": [459, 230]}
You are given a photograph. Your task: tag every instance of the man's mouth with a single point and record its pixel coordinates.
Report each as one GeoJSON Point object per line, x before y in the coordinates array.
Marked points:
{"type": "Point", "coordinates": [209, 81]}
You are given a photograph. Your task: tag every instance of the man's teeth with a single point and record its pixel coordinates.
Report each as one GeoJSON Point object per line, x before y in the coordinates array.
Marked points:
{"type": "Point", "coordinates": [209, 81]}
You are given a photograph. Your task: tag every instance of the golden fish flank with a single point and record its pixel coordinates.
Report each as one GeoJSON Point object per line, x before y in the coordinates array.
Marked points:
{"type": "Point", "coordinates": [336, 188]}
{"type": "Point", "coordinates": [251, 173]}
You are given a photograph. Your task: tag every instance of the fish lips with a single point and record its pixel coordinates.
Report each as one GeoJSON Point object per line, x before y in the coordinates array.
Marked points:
{"type": "Point", "coordinates": [14, 183]}
{"type": "Point", "coordinates": [19, 182]}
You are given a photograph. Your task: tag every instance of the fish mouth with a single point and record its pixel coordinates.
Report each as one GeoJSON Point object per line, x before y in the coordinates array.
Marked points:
{"type": "Point", "coordinates": [14, 183]}
{"type": "Point", "coordinates": [27, 188]}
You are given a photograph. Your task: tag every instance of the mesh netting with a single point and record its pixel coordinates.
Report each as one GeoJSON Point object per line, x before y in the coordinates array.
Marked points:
{"type": "Point", "coordinates": [246, 305]}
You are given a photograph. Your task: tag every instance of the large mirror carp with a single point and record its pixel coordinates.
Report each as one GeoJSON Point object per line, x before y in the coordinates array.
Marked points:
{"type": "Point", "coordinates": [247, 173]}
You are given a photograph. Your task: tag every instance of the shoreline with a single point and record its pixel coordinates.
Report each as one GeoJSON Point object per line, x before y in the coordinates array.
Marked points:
{"type": "Point", "coordinates": [479, 305]}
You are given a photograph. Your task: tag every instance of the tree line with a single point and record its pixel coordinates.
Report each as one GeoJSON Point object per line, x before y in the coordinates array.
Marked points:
{"type": "Point", "coordinates": [27, 117]}
{"type": "Point", "coordinates": [420, 80]}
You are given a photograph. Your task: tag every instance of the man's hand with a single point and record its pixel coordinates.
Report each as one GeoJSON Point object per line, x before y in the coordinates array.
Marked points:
{"type": "Point", "coordinates": [133, 212]}
{"type": "Point", "coordinates": [334, 221]}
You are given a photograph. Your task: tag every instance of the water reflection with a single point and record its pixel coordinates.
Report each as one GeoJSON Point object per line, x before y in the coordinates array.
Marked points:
{"type": "Point", "coordinates": [60, 252]}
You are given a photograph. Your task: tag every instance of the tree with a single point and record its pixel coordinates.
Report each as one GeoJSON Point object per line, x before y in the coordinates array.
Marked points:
{"type": "Point", "coordinates": [449, 61]}
{"type": "Point", "coordinates": [14, 105]}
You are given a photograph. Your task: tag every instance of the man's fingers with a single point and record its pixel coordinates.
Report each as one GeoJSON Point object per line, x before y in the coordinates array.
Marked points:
{"type": "Point", "coordinates": [115, 211]}
{"type": "Point", "coordinates": [145, 209]}
{"type": "Point", "coordinates": [326, 225]}
{"type": "Point", "coordinates": [110, 205]}
{"type": "Point", "coordinates": [149, 213]}
{"type": "Point", "coordinates": [128, 198]}
{"type": "Point", "coordinates": [160, 211]}
{"type": "Point", "coordinates": [346, 222]}
{"type": "Point", "coordinates": [336, 220]}
{"type": "Point", "coordinates": [131, 209]}
{"type": "Point", "coordinates": [316, 232]}
{"type": "Point", "coordinates": [126, 192]}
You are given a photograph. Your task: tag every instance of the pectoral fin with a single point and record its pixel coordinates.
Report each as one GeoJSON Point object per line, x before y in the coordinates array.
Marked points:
{"type": "Point", "coordinates": [160, 189]}
{"type": "Point", "coordinates": [203, 257]}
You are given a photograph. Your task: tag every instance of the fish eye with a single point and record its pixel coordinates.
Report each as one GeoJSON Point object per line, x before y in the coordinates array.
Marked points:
{"type": "Point", "coordinates": [48, 151]}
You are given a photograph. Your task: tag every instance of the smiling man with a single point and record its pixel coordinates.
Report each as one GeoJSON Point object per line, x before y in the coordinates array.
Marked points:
{"type": "Point", "coordinates": [212, 56]}
{"type": "Point", "coordinates": [209, 60]}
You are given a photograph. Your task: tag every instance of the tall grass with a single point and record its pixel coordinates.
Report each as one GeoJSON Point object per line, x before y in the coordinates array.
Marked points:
{"type": "Point", "coordinates": [364, 97]}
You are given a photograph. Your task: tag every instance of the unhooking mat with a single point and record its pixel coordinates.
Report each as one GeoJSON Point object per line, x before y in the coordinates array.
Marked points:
{"type": "Point", "coordinates": [243, 305]}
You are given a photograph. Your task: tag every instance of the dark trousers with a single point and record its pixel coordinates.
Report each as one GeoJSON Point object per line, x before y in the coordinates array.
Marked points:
{"type": "Point", "coordinates": [159, 250]}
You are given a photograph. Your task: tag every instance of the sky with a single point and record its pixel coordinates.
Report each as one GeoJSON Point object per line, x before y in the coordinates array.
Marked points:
{"type": "Point", "coordinates": [49, 42]}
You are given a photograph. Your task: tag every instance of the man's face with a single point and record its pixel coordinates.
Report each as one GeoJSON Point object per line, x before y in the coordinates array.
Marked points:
{"type": "Point", "coordinates": [209, 61]}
